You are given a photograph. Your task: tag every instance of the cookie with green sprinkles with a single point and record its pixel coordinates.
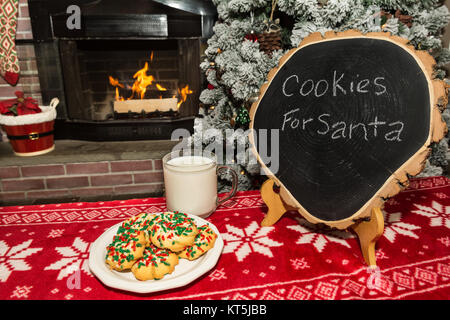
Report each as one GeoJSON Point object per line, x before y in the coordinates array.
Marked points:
{"type": "Point", "coordinates": [204, 241]}
{"type": "Point", "coordinates": [139, 222]}
{"type": "Point", "coordinates": [125, 248]}
{"type": "Point", "coordinates": [154, 264]}
{"type": "Point", "coordinates": [172, 230]}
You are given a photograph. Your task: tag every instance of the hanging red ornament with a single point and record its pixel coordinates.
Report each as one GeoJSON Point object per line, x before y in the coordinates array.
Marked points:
{"type": "Point", "coordinates": [252, 36]}
{"type": "Point", "coordinates": [210, 86]}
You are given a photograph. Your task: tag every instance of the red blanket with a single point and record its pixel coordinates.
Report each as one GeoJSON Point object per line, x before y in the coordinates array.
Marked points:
{"type": "Point", "coordinates": [41, 246]}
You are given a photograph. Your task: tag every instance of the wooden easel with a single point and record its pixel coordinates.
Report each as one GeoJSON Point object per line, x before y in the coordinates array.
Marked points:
{"type": "Point", "coordinates": [368, 230]}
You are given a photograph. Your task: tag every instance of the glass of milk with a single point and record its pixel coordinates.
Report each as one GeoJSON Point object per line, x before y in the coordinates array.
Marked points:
{"type": "Point", "coordinates": [190, 180]}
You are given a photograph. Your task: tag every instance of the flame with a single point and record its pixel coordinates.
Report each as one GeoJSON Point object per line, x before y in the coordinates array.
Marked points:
{"type": "Point", "coordinates": [118, 97]}
{"type": "Point", "coordinates": [115, 82]}
{"type": "Point", "coordinates": [142, 81]}
{"type": "Point", "coordinates": [160, 87]}
{"type": "Point", "coordinates": [183, 95]}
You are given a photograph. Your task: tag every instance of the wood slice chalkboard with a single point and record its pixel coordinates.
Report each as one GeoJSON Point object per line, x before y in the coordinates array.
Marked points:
{"type": "Point", "coordinates": [356, 114]}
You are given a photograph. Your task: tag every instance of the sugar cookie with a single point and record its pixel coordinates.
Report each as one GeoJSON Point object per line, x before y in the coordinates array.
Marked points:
{"type": "Point", "coordinates": [154, 264]}
{"type": "Point", "coordinates": [172, 230]}
{"type": "Point", "coordinates": [140, 222]}
{"type": "Point", "coordinates": [204, 241]}
{"type": "Point", "coordinates": [125, 249]}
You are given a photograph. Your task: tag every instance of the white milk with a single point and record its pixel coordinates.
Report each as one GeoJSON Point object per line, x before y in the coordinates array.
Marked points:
{"type": "Point", "coordinates": [191, 185]}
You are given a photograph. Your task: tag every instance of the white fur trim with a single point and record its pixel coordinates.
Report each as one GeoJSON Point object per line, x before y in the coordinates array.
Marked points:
{"type": "Point", "coordinates": [48, 114]}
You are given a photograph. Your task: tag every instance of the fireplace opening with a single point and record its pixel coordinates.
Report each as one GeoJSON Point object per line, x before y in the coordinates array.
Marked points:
{"type": "Point", "coordinates": [149, 86]}
{"type": "Point", "coordinates": [115, 74]}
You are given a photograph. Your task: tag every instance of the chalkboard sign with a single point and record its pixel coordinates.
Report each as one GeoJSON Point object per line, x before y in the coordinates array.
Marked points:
{"type": "Point", "coordinates": [355, 115]}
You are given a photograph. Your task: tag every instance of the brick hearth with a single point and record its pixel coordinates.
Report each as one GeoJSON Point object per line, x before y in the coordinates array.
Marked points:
{"type": "Point", "coordinates": [83, 171]}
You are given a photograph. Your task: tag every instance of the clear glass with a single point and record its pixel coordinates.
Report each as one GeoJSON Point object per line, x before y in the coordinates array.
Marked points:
{"type": "Point", "coordinates": [190, 181]}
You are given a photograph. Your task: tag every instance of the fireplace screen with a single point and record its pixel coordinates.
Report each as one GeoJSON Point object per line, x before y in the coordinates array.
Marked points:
{"type": "Point", "coordinates": [139, 81]}
{"type": "Point", "coordinates": [123, 79]}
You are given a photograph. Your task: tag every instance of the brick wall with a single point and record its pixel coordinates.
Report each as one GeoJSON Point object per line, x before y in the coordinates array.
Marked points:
{"type": "Point", "coordinates": [28, 78]}
{"type": "Point", "coordinates": [81, 179]}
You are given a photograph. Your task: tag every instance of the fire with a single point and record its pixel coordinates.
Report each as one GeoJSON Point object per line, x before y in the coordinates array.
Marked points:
{"type": "Point", "coordinates": [183, 95]}
{"type": "Point", "coordinates": [160, 87]}
{"type": "Point", "coordinates": [142, 82]}
{"type": "Point", "coordinates": [115, 82]}
{"type": "Point", "coordinates": [118, 97]}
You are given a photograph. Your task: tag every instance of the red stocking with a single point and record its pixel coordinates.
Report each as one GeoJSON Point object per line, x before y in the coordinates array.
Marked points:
{"type": "Point", "coordinates": [9, 63]}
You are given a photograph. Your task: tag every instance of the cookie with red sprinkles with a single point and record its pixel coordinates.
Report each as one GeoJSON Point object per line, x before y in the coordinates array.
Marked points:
{"type": "Point", "coordinates": [139, 222]}
{"type": "Point", "coordinates": [154, 264]}
{"type": "Point", "coordinates": [172, 230]}
{"type": "Point", "coordinates": [204, 241]}
{"type": "Point", "coordinates": [125, 249]}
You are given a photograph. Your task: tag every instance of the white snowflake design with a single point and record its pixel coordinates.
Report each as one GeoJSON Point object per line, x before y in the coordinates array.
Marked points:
{"type": "Point", "coordinates": [445, 241]}
{"type": "Point", "coordinates": [55, 233]}
{"type": "Point", "coordinates": [217, 275]}
{"type": "Point", "coordinates": [311, 234]}
{"type": "Point", "coordinates": [21, 292]}
{"type": "Point", "coordinates": [75, 257]}
{"type": "Point", "coordinates": [438, 214]}
{"type": "Point", "coordinates": [395, 227]}
{"type": "Point", "coordinates": [298, 264]}
{"type": "Point", "coordinates": [253, 238]}
{"type": "Point", "coordinates": [13, 258]}
{"type": "Point", "coordinates": [379, 254]}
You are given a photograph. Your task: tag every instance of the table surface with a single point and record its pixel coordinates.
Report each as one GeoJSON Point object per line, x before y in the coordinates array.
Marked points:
{"type": "Point", "coordinates": [42, 246]}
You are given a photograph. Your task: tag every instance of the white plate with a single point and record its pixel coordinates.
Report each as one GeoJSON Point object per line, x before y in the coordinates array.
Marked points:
{"type": "Point", "coordinates": [185, 272]}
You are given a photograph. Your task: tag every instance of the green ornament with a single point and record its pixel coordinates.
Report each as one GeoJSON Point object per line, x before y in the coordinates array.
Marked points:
{"type": "Point", "coordinates": [242, 117]}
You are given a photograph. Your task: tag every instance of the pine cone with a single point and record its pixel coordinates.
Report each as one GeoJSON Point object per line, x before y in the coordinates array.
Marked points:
{"type": "Point", "coordinates": [406, 19]}
{"type": "Point", "coordinates": [269, 41]}
{"type": "Point", "coordinates": [385, 14]}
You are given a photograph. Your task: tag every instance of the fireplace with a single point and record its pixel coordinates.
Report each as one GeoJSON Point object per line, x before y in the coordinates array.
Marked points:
{"type": "Point", "coordinates": [94, 70]}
